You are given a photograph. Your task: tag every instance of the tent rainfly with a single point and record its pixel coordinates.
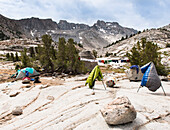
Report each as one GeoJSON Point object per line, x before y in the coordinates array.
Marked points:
{"type": "Point", "coordinates": [22, 72]}
{"type": "Point", "coordinates": [134, 73]}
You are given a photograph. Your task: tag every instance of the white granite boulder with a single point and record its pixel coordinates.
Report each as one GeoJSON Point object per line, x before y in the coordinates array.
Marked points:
{"type": "Point", "coordinates": [119, 111]}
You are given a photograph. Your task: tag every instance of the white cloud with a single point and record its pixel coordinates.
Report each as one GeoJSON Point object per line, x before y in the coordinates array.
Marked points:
{"type": "Point", "coordinates": [88, 11]}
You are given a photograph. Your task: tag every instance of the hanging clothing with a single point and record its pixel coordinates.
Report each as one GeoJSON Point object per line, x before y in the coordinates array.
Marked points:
{"type": "Point", "coordinates": [95, 74]}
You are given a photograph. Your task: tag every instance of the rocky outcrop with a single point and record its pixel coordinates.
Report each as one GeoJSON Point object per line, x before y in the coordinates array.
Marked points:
{"type": "Point", "coordinates": [167, 27]}
{"type": "Point", "coordinates": [119, 111]}
{"type": "Point", "coordinates": [88, 56]}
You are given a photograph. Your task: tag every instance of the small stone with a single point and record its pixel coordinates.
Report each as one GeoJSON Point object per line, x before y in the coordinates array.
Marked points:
{"type": "Point", "coordinates": [28, 86]}
{"type": "Point", "coordinates": [17, 111]}
{"type": "Point", "coordinates": [13, 94]}
{"type": "Point", "coordinates": [93, 93]}
{"type": "Point", "coordinates": [50, 98]}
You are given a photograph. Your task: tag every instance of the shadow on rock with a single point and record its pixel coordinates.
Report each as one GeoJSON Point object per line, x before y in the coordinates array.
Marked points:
{"type": "Point", "coordinates": [160, 94]}
{"type": "Point", "coordinates": [133, 125]}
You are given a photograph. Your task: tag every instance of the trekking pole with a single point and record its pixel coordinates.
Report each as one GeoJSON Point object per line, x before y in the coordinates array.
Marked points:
{"type": "Point", "coordinates": [163, 90]}
{"type": "Point", "coordinates": [138, 89]}
{"type": "Point", "coordinates": [103, 85]}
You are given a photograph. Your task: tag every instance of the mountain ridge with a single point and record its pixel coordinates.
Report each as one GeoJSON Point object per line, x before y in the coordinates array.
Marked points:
{"type": "Point", "coordinates": [98, 35]}
{"type": "Point", "coordinates": [159, 36]}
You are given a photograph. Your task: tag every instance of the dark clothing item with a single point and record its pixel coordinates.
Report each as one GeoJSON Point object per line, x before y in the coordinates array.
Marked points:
{"type": "Point", "coordinates": [27, 74]}
{"type": "Point", "coordinates": [37, 80]}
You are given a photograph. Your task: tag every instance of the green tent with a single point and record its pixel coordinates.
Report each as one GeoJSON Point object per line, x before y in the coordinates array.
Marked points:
{"type": "Point", "coordinates": [95, 74]}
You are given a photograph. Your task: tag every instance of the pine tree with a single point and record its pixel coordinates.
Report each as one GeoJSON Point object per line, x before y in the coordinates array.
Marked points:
{"type": "Point", "coordinates": [54, 53]}
{"type": "Point", "coordinates": [25, 59]}
{"type": "Point", "coordinates": [144, 52]}
{"type": "Point", "coordinates": [122, 39]}
{"type": "Point", "coordinates": [8, 56]}
{"type": "Point", "coordinates": [134, 57]}
{"type": "Point", "coordinates": [16, 57]}
{"type": "Point", "coordinates": [65, 59]}
{"type": "Point", "coordinates": [12, 57]}
{"type": "Point", "coordinates": [74, 65]}
{"type": "Point", "coordinates": [68, 58]}
{"type": "Point", "coordinates": [70, 55]}
{"type": "Point", "coordinates": [107, 54]}
{"type": "Point", "coordinates": [126, 37]}
{"type": "Point", "coordinates": [45, 53]}
{"type": "Point", "coordinates": [61, 54]}
{"type": "Point", "coordinates": [94, 53]}
{"type": "Point", "coordinates": [32, 53]}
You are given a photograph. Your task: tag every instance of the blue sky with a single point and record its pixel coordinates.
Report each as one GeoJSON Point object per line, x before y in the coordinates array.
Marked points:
{"type": "Point", "coordinates": [137, 14]}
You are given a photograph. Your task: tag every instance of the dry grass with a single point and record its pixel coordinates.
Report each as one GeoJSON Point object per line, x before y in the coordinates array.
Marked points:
{"type": "Point", "coordinates": [5, 74]}
{"type": "Point", "coordinates": [109, 69]}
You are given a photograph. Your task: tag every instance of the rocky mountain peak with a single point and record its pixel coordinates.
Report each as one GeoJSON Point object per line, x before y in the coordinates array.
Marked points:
{"type": "Point", "coordinates": [101, 23]}
{"type": "Point", "coordinates": [112, 28]}
{"type": "Point", "coordinates": [64, 25]}
{"type": "Point", "coordinates": [104, 24]}
{"type": "Point", "coordinates": [37, 24]}
{"type": "Point", "coordinates": [1, 16]}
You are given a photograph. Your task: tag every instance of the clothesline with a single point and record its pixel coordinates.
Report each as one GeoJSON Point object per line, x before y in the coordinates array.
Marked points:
{"type": "Point", "coordinates": [103, 61]}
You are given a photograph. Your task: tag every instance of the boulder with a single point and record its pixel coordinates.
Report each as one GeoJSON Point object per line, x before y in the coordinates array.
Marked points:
{"type": "Point", "coordinates": [17, 111]}
{"type": "Point", "coordinates": [119, 111]}
{"type": "Point", "coordinates": [88, 55]}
